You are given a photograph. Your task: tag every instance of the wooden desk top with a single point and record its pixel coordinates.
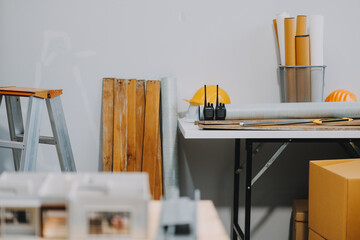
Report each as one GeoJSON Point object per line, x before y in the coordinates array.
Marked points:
{"type": "Point", "coordinates": [190, 131]}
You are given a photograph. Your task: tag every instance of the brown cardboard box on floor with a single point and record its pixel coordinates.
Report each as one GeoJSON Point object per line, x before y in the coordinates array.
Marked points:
{"type": "Point", "coordinates": [334, 198]}
{"type": "Point", "coordinates": [314, 236]}
{"type": "Point", "coordinates": [300, 220]}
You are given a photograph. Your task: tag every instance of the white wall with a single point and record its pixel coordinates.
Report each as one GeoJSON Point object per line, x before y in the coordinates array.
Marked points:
{"type": "Point", "coordinates": [73, 44]}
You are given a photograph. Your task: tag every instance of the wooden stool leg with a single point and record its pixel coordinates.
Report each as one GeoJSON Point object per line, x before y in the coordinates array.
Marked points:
{"type": "Point", "coordinates": [31, 135]}
{"type": "Point", "coordinates": [58, 125]}
{"type": "Point", "coordinates": [16, 125]}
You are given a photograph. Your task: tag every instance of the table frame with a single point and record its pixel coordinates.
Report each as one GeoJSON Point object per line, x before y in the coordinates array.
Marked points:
{"type": "Point", "coordinates": [190, 131]}
{"type": "Point", "coordinates": [236, 230]}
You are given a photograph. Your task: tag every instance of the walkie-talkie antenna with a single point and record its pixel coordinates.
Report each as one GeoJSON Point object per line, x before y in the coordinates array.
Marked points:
{"type": "Point", "coordinates": [217, 94]}
{"type": "Point", "coordinates": [205, 101]}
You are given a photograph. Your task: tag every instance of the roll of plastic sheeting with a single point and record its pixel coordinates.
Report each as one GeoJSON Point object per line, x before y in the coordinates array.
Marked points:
{"type": "Point", "coordinates": [317, 56]}
{"type": "Point", "coordinates": [281, 35]}
{"type": "Point", "coordinates": [293, 110]}
{"type": "Point", "coordinates": [169, 134]}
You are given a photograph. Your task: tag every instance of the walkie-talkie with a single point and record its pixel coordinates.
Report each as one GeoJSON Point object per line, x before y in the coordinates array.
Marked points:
{"type": "Point", "coordinates": [220, 110]}
{"type": "Point", "coordinates": [208, 108]}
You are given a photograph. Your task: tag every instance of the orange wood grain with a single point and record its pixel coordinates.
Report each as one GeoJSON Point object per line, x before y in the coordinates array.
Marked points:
{"type": "Point", "coordinates": [120, 125]}
{"type": "Point", "coordinates": [26, 92]}
{"type": "Point", "coordinates": [108, 123]}
{"type": "Point", "coordinates": [131, 136]}
{"type": "Point", "coordinates": [151, 138]}
{"type": "Point", "coordinates": [140, 118]}
{"type": "Point", "coordinates": [158, 192]}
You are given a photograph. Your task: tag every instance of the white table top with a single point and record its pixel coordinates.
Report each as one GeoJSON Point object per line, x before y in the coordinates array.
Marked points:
{"type": "Point", "coordinates": [191, 131]}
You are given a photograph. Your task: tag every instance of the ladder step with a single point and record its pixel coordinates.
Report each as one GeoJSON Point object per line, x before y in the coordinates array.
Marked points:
{"type": "Point", "coordinates": [42, 139]}
{"type": "Point", "coordinates": [11, 144]}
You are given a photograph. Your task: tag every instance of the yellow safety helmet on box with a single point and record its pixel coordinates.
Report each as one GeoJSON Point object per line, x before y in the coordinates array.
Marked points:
{"type": "Point", "coordinates": [199, 96]}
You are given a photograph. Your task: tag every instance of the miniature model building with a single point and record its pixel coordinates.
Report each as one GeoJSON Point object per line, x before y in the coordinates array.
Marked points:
{"type": "Point", "coordinates": [74, 206]}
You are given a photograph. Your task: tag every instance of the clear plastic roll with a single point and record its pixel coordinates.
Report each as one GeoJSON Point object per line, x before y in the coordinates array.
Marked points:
{"type": "Point", "coordinates": [292, 110]}
{"type": "Point", "coordinates": [169, 134]}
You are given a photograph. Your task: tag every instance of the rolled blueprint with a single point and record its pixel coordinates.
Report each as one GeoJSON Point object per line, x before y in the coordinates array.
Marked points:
{"type": "Point", "coordinates": [290, 73]}
{"type": "Point", "coordinates": [169, 134]}
{"type": "Point", "coordinates": [292, 110]}
{"type": "Point", "coordinates": [280, 29]}
{"type": "Point", "coordinates": [276, 38]}
{"type": "Point", "coordinates": [317, 56]}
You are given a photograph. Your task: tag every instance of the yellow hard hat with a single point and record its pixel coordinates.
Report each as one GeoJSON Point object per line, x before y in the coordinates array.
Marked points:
{"type": "Point", "coordinates": [199, 96]}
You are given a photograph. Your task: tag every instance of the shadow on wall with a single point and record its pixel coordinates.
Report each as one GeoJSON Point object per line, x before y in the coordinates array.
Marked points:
{"type": "Point", "coordinates": [208, 165]}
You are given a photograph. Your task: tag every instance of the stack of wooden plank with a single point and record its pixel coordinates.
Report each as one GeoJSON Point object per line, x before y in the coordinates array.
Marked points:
{"type": "Point", "coordinates": [131, 129]}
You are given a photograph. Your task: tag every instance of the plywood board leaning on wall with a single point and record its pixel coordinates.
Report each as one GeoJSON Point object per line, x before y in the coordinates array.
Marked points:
{"type": "Point", "coordinates": [158, 191]}
{"type": "Point", "coordinates": [120, 125]}
{"type": "Point", "coordinates": [151, 131]}
{"type": "Point", "coordinates": [131, 127]}
{"type": "Point", "coordinates": [108, 123]}
{"type": "Point", "coordinates": [140, 120]}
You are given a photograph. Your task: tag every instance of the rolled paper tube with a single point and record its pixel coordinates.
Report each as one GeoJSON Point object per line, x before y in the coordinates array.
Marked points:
{"type": "Point", "coordinates": [289, 41]}
{"type": "Point", "coordinates": [276, 41]}
{"type": "Point", "coordinates": [280, 30]}
{"type": "Point", "coordinates": [301, 25]}
{"type": "Point", "coordinates": [317, 56]}
{"type": "Point", "coordinates": [290, 73]}
{"type": "Point", "coordinates": [303, 80]}
{"type": "Point", "coordinates": [276, 33]}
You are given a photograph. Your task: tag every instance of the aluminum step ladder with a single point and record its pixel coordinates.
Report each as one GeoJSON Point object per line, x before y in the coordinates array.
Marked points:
{"type": "Point", "coordinates": [24, 140]}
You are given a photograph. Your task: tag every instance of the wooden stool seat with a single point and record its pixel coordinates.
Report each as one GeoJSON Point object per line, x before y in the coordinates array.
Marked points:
{"type": "Point", "coordinates": [25, 138]}
{"type": "Point", "coordinates": [27, 92]}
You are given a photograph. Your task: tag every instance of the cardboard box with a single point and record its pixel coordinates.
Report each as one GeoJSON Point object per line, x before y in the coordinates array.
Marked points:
{"type": "Point", "coordinates": [314, 236]}
{"type": "Point", "coordinates": [300, 220]}
{"type": "Point", "coordinates": [334, 198]}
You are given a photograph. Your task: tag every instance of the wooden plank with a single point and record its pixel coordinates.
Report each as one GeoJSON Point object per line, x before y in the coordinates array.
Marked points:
{"type": "Point", "coordinates": [151, 129]}
{"type": "Point", "coordinates": [158, 192]}
{"type": "Point", "coordinates": [36, 92]}
{"type": "Point", "coordinates": [140, 118]}
{"type": "Point", "coordinates": [131, 137]}
{"type": "Point", "coordinates": [108, 123]}
{"type": "Point", "coordinates": [297, 127]}
{"type": "Point", "coordinates": [120, 125]}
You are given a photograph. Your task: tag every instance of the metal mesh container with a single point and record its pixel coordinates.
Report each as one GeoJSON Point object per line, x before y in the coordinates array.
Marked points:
{"type": "Point", "coordinates": [302, 83]}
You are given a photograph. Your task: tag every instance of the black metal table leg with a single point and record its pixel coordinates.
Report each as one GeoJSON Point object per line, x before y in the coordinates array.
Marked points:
{"type": "Point", "coordinates": [248, 188]}
{"type": "Point", "coordinates": [235, 210]}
